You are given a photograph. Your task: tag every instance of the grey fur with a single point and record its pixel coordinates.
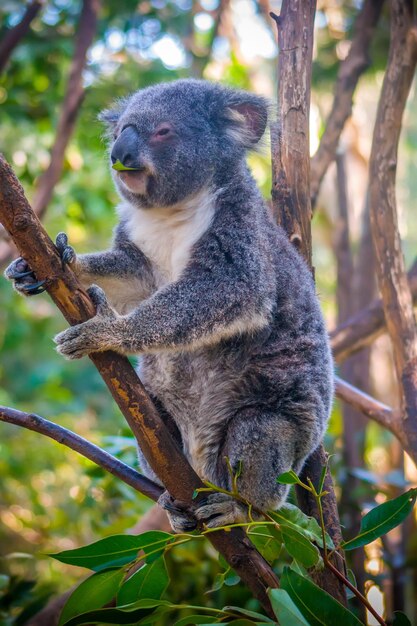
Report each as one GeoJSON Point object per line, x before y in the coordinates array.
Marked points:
{"type": "Point", "coordinates": [234, 348]}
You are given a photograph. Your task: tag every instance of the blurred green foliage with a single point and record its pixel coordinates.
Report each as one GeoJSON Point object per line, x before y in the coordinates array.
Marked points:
{"type": "Point", "coordinates": [50, 498]}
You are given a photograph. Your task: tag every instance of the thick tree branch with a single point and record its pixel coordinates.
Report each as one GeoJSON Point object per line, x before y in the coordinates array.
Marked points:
{"type": "Point", "coordinates": [362, 328]}
{"type": "Point", "coordinates": [85, 448]}
{"type": "Point", "coordinates": [392, 278]}
{"type": "Point", "coordinates": [292, 209]}
{"type": "Point", "coordinates": [159, 448]}
{"type": "Point", "coordinates": [350, 70]}
{"type": "Point", "coordinates": [73, 98]}
{"type": "Point", "coordinates": [18, 32]}
{"type": "Point", "coordinates": [369, 406]}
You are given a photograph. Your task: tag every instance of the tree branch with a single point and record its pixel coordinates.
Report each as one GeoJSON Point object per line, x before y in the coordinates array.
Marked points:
{"type": "Point", "coordinates": [362, 328]}
{"type": "Point", "coordinates": [159, 448]}
{"type": "Point", "coordinates": [18, 32]}
{"type": "Point", "coordinates": [350, 70]}
{"type": "Point", "coordinates": [369, 406]}
{"type": "Point", "coordinates": [85, 448]}
{"type": "Point", "coordinates": [73, 98]}
{"type": "Point", "coordinates": [392, 278]}
{"type": "Point", "coordinates": [292, 209]}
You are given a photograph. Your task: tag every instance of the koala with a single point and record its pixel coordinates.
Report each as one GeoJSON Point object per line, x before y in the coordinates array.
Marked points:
{"type": "Point", "coordinates": [207, 290]}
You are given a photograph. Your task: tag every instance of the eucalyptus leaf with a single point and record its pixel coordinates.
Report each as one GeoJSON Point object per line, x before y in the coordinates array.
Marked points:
{"type": "Point", "coordinates": [285, 609]}
{"type": "Point", "coordinates": [150, 581]}
{"type": "Point", "coordinates": [190, 620]}
{"type": "Point", "coordinates": [119, 167]}
{"type": "Point", "coordinates": [116, 550]}
{"type": "Point", "coordinates": [128, 614]}
{"type": "Point", "coordinates": [291, 516]}
{"type": "Point", "coordinates": [299, 547]}
{"type": "Point", "coordinates": [400, 619]}
{"type": "Point", "coordinates": [382, 519]}
{"type": "Point", "coordinates": [92, 593]}
{"type": "Point", "coordinates": [316, 605]}
{"type": "Point", "coordinates": [288, 478]}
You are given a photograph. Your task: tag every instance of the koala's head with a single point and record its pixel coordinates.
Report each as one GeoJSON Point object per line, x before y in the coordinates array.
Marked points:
{"type": "Point", "coordinates": [176, 136]}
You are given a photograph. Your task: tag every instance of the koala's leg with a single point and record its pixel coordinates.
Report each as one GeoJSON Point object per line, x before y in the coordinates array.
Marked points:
{"type": "Point", "coordinates": [266, 445]}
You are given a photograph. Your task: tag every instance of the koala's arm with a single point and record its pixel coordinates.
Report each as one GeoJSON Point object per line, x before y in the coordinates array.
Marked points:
{"type": "Point", "coordinates": [204, 306]}
{"type": "Point", "coordinates": [123, 272]}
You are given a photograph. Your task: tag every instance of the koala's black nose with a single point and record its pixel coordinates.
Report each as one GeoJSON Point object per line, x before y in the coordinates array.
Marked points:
{"type": "Point", "coordinates": [126, 148]}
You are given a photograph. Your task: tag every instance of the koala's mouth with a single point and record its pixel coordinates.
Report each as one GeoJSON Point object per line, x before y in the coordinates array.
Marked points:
{"type": "Point", "coordinates": [136, 181]}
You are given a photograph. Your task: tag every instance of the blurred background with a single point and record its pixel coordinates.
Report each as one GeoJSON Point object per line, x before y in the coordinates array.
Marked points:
{"type": "Point", "coordinates": [50, 498]}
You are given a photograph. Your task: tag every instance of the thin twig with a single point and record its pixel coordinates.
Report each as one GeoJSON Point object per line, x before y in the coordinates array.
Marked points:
{"type": "Point", "coordinates": [87, 449]}
{"type": "Point", "coordinates": [362, 328]}
{"type": "Point", "coordinates": [350, 70]}
{"type": "Point", "coordinates": [13, 36]}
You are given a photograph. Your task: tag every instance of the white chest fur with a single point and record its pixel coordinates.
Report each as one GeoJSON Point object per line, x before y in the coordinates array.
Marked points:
{"type": "Point", "coordinates": [167, 234]}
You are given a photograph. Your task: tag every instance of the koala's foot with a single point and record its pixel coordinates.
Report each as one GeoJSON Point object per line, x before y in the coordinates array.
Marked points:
{"type": "Point", "coordinates": [66, 251]}
{"type": "Point", "coordinates": [24, 279]}
{"type": "Point", "coordinates": [219, 509]}
{"type": "Point", "coordinates": [216, 509]}
{"type": "Point", "coordinates": [181, 520]}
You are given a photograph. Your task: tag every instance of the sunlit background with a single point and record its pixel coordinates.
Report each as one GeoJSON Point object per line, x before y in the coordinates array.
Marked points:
{"type": "Point", "coordinates": [51, 499]}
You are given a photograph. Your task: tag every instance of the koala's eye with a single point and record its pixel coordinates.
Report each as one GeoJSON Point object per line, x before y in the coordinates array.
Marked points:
{"type": "Point", "coordinates": [162, 133]}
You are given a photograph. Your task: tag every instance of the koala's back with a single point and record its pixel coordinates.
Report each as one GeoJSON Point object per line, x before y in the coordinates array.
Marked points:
{"type": "Point", "coordinates": [282, 367]}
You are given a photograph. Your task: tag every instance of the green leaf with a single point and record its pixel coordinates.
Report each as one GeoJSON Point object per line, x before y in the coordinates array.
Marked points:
{"type": "Point", "coordinates": [288, 478]}
{"type": "Point", "coordinates": [291, 516]}
{"type": "Point", "coordinates": [92, 593]}
{"type": "Point", "coordinates": [150, 581]}
{"type": "Point", "coordinates": [322, 478]}
{"type": "Point", "coordinates": [382, 519]}
{"type": "Point", "coordinates": [267, 540]}
{"type": "Point", "coordinates": [190, 620]}
{"type": "Point", "coordinates": [246, 613]}
{"type": "Point", "coordinates": [400, 619]}
{"type": "Point", "coordinates": [119, 167]}
{"type": "Point", "coordinates": [316, 605]}
{"type": "Point", "coordinates": [128, 614]}
{"type": "Point", "coordinates": [285, 609]}
{"type": "Point", "coordinates": [299, 547]}
{"type": "Point", "coordinates": [116, 550]}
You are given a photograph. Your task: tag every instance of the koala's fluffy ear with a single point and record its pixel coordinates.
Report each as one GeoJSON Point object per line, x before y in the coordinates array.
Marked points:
{"type": "Point", "coordinates": [109, 116]}
{"type": "Point", "coordinates": [246, 117]}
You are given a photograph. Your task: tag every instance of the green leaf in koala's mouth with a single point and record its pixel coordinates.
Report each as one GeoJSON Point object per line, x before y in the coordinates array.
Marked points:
{"type": "Point", "coordinates": [119, 167]}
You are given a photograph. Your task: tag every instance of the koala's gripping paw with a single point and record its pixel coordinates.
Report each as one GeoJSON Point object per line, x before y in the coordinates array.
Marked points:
{"type": "Point", "coordinates": [180, 518]}
{"type": "Point", "coordinates": [66, 252]}
{"type": "Point", "coordinates": [95, 335]}
{"type": "Point", "coordinates": [216, 509]}
{"type": "Point", "coordinates": [219, 509]}
{"type": "Point", "coordinates": [23, 278]}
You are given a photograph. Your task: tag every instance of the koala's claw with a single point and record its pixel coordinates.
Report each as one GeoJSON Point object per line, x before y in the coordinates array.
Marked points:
{"type": "Point", "coordinates": [67, 252]}
{"type": "Point", "coordinates": [34, 289]}
{"type": "Point", "coordinates": [220, 509]}
{"type": "Point", "coordinates": [180, 518]}
{"type": "Point", "coordinates": [24, 278]}
{"type": "Point", "coordinates": [216, 509]}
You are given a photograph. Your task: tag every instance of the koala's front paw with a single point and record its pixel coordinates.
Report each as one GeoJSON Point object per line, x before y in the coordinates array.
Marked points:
{"type": "Point", "coordinates": [95, 335]}
{"type": "Point", "coordinates": [24, 279]}
{"type": "Point", "coordinates": [67, 252]}
{"type": "Point", "coordinates": [219, 509]}
{"type": "Point", "coordinates": [180, 518]}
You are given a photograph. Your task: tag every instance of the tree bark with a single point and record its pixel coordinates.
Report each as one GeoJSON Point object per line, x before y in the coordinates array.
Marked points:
{"type": "Point", "coordinates": [362, 328]}
{"type": "Point", "coordinates": [292, 209]}
{"type": "Point", "coordinates": [159, 448]}
{"type": "Point", "coordinates": [351, 69]}
{"type": "Point", "coordinates": [392, 278]}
